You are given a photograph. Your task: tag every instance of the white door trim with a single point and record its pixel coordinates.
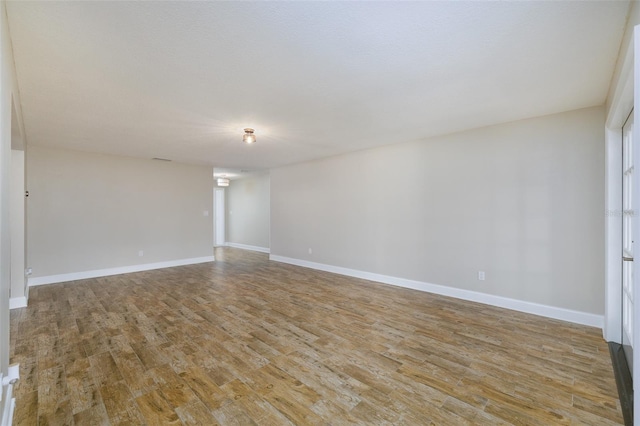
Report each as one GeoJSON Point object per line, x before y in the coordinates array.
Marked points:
{"type": "Point", "coordinates": [613, 237]}
{"type": "Point", "coordinates": [621, 105]}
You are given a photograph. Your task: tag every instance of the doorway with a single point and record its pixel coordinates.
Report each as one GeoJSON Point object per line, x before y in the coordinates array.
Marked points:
{"type": "Point", "coordinates": [627, 241]}
{"type": "Point", "coordinates": [219, 236]}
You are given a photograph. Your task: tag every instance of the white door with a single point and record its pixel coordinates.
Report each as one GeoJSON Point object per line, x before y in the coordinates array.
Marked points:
{"type": "Point", "coordinates": [627, 240]}
{"type": "Point", "coordinates": [218, 217]}
{"type": "Point", "coordinates": [635, 231]}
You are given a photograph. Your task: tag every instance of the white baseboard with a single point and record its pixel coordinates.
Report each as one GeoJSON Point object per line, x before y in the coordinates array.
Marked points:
{"type": "Point", "coordinates": [473, 296]}
{"type": "Point", "coordinates": [61, 278]}
{"type": "Point", "coordinates": [248, 247]}
{"type": "Point", "coordinates": [17, 302]}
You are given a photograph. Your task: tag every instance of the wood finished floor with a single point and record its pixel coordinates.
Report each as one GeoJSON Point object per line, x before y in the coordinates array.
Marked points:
{"type": "Point", "coordinates": [247, 341]}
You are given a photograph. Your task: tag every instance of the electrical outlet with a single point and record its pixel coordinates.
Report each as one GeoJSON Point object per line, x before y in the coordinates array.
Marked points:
{"type": "Point", "coordinates": [310, 251]}
{"type": "Point", "coordinates": [141, 253]}
{"type": "Point", "coordinates": [481, 275]}
{"type": "Point", "coordinates": [28, 272]}
{"type": "Point", "coordinates": [205, 213]}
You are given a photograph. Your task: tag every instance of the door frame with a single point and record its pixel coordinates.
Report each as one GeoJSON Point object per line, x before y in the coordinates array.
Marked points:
{"type": "Point", "coordinates": [626, 273]}
{"type": "Point", "coordinates": [621, 105]}
{"type": "Point", "coordinates": [625, 98]}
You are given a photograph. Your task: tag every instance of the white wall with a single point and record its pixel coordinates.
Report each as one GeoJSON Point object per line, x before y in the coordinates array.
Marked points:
{"type": "Point", "coordinates": [92, 211]}
{"type": "Point", "coordinates": [248, 211]}
{"type": "Point", "coordinates": [11, 132]}
{"type": "Point", "coordinates": [18, 281]}
{"type": "Point", "coordinates": [219, 216]}
{"type": "Point", "coordinates": [6, 84]}
{"type": "Point", "coordinates": [619, 76]}
{"type": "Point", "coordinates": [522, 201]}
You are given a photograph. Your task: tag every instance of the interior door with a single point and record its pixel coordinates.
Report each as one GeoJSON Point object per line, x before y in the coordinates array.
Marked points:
{"type": "Point", "coordinates": [627, 240]}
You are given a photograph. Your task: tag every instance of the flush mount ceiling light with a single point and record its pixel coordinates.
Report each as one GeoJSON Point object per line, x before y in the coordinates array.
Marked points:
{"type": "Point", "coordinates": [248, 137]}
{"type": "Point", "coordinates": [223, 182]}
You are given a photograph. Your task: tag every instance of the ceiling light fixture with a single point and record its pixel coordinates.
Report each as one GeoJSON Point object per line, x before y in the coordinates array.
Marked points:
{"type": "Point", "coordinates": [223, 182]}
{"type": "Point", "coordinates": [248, 137]}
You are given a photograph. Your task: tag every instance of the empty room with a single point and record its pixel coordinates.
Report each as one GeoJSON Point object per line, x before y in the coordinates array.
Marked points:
{"type": "Point", "coordinates": [319, 213]}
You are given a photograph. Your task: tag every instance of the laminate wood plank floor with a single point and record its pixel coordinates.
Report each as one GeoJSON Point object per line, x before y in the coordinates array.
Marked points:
{"type": "Point", "coordinates": [245, 341]}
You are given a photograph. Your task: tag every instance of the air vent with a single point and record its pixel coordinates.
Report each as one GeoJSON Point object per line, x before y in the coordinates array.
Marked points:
{"type": "Point", "coordinates": [161, 159]}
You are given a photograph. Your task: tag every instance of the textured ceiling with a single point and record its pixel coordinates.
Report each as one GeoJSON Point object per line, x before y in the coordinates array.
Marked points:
{"type": "Point", "coordinates": [180, 80]}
